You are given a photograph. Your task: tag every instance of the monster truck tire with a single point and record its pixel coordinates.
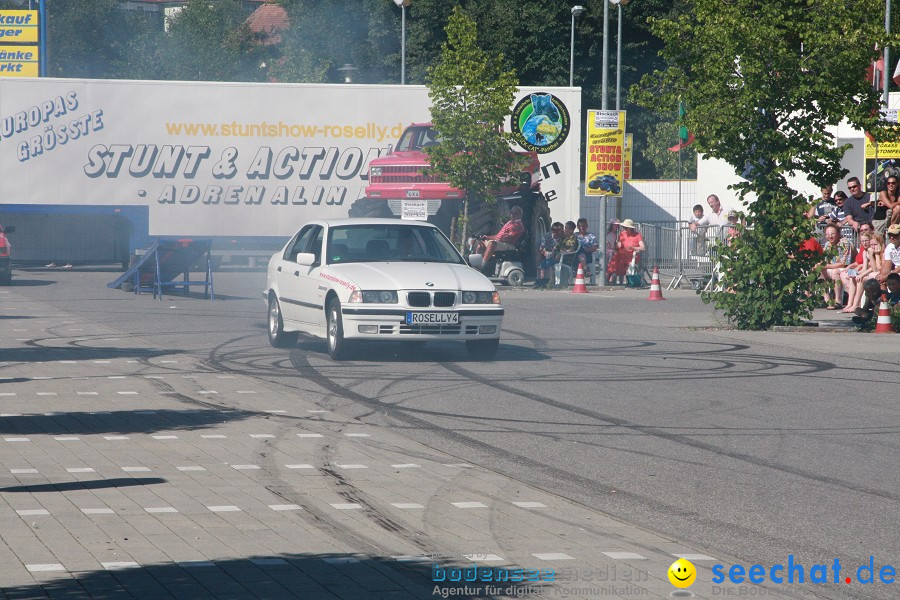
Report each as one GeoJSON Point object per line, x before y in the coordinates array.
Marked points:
{"type": "Point", "coordinates": [370, 208]}
{"type": "Point", "coordinates": [444, 217]}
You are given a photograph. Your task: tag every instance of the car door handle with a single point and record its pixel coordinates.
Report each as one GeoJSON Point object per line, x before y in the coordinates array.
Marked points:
{"type": "Point", "coordinates": [279, 269]}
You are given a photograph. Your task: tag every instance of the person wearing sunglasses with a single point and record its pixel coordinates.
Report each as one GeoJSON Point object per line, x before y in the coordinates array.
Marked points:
{"type": "Point", "coordinates": [859, 206]}
{"type": "Point", "coordinates": [886, 205]}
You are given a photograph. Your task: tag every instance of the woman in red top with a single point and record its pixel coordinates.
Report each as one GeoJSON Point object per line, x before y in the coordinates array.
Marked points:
{"type": "Point", "coordinates": [630, 243]}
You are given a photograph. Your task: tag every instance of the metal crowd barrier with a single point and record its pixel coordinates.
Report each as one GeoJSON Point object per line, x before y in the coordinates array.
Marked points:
{"type": "Point", "coordinates": [687, 256]}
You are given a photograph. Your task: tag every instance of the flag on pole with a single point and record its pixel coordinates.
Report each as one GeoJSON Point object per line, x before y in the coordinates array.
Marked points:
{"type": "Point", "coordinates": [896, 77]}
{"type": "Point", "coordinates": [685, 137]}
{"type": "Point", "coordinates": [875, 73]}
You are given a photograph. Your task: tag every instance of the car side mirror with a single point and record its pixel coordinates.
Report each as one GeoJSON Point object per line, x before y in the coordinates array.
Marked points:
{"type": "Point", "coordinates": [10, 229]}
{"type": "Point", "coordinates": [306, 259]}
{"type": "Point", "coordinates": [476, 261]}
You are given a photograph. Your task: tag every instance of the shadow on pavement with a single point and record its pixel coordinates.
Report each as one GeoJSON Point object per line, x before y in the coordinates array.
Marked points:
{"type": "Point", "coordinates": [44, 353]}
{"type": "Point", "coordinates": [18, 282]}
{"type": "Point", "coordinates": [91, 484]}
{"type": "Point", "coordinates": [307, 576]}
{"type": "Point", "coordinates": [430, 352]}
{"type": "Point", "coordinates": [121, 421]}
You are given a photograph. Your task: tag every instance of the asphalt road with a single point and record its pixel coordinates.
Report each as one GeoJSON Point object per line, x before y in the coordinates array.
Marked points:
{"type": "Point", "coordinates": [753, 445]}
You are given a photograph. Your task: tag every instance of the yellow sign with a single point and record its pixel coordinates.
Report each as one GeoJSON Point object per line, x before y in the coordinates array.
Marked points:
{"type": "Point", "coordinates": [604, 164]}
{"type": "Point", "coordinates": [18, 61]}
{"type": "Point", "coordinates": [629, 153]}
{"type": "Point", "coordinates": [18, 26]}
{"type": "Point", "coordinates": [882, 161]}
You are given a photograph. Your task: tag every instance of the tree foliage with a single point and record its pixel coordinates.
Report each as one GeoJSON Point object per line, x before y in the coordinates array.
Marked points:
{"type": "Point", "coordinates": [471, 93]}
{"type": "Point", "coordinates": [761, 93]}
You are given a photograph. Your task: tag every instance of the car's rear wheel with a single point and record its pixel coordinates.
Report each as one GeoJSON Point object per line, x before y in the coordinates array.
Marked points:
{"type": "Point", "coordinates": [482, 349]}
{"type": "Point", "coordinates": [516, 277]}
{"type": "Point", "coordinates": [278, 337]}
{"type": "Point", "coordinates": [338, 347]}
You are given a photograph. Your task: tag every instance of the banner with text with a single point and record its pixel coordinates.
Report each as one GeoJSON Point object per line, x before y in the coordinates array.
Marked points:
{"type": "Point", "coordinates": [629, 154]}
{"type": "Point", "coordinates": [605, 148]}
{"type": "Point", "coordinates": [19, 61]}
{"type": "Point", "coordinates": [267, 159]}
{"type": "Point", "coordinates": [18, 26]}
{"type": "Point", "coordinates": [882, 161]}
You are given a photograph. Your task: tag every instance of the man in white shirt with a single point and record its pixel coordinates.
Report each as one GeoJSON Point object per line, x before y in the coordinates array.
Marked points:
{"type": "Point", "coordinates": [891, 254]}
{"type": "Point", "coordinates": [717, 215]}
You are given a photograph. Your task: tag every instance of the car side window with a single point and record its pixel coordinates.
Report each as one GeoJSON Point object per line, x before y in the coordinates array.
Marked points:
{"type": "Point", "coordinates": [299, 243]}
{"type": "Point", "coordinates": [315, 246]}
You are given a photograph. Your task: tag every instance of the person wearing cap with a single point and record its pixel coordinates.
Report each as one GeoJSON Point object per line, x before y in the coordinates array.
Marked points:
{"type": "Point", "coordinates": [891, 254]}
{"type": "Point", "coordinates": [629, 245]}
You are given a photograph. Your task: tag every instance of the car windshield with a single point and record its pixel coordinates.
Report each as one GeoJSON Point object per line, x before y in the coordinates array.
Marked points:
{"type": "Point", "coordinates": [389, 243]}
{"type": "Point", "coordinates": [416, 138]}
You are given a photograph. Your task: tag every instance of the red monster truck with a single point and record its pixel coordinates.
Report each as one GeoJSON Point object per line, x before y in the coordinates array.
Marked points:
{"type": "Point", "coordinates": [402, 175]}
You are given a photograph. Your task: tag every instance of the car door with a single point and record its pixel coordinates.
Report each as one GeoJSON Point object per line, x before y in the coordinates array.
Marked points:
{"type": "Point", "coordinates": [288, 275]}
{"type": "Point", "coordinates": [311, 293]}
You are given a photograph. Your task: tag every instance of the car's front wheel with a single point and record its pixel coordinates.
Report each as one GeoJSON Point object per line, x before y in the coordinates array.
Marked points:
{"type": "Point", "coordinates": [338, 347]}
{"type": "Point", "coordinates": [278, 337]}
{"type": "Point", "coordinates": [482, 349]}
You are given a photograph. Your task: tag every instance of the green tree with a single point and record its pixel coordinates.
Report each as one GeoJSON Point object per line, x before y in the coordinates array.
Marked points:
{"type": "Point", "coordinates": [763, 81]}
{"type": "Point", "coordinates": [471, 93]}
{"type": "Point", "coordinates": [210, 41]}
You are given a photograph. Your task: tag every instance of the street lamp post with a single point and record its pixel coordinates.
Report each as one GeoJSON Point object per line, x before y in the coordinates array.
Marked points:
{"type": "Point", "coordinates": [619, 4]}
{"type": "Point", "coordinates": [402, 4]}
{"type": "Point", "coordinates": [576, 12]}
{"type": "Point", "coordinates": [604, 86]}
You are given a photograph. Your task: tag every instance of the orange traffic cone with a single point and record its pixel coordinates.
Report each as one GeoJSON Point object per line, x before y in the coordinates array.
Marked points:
{"type": "Point", "coordinates": [655, 290]}
{"type": "Point", "coordinates": [579, 287]}
{"type": "Point", "coordinates": [883, 324]}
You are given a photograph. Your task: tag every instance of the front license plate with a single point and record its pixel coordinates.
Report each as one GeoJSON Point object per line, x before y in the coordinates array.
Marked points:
{"type": "Point", "coordinates": [432, 318]}
{"type": "Point", "coordinates": [412, 193]}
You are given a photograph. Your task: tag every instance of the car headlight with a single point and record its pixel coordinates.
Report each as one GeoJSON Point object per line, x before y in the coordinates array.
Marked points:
{"type": "Point", "coordinates": [375, 297]}
{"type": "Point", "coordinates": [481, 298]}
{"type": "Point", "coordinates": [375, 171]}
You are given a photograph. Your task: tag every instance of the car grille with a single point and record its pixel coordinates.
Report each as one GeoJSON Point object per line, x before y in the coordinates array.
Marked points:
{"type": "Point", "coordinates": [430, 329]}
{"type": "Point", "coordinates": [444, 298]}
{"type": "Point", "coordinates": [418, 299]}
{"type": "Point", "coordinates": [424, 299]}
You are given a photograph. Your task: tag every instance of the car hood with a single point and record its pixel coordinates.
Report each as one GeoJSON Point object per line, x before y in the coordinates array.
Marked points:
{"type": "Point", "coordinates": [411, 276]}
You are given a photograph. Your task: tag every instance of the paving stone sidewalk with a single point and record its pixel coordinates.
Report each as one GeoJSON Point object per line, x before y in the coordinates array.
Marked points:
{"type": "Point", "coordinates": [133, 471]}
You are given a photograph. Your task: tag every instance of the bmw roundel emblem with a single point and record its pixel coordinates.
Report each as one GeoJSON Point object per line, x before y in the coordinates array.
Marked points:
{"type": "Point", "coordinates": [429, 284]}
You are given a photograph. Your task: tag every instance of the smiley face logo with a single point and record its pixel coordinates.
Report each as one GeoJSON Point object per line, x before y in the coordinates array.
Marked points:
{"type": "Point", "coordinates": [682, 573]}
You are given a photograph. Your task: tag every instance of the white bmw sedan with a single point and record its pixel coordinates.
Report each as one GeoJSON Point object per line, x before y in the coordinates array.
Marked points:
{"type": "Point", "coordinates": [379, 279]}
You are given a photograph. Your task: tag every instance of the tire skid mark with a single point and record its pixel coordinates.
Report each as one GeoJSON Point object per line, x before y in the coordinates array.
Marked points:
{"type": "Point", "coordinates": [675, 438]}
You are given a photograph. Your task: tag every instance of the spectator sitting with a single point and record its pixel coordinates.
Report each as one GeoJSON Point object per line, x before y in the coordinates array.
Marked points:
{"type": "Point", "coordinates": [588, 244]}
{"type": "Point", "coordinates": [839, 251]}
{"type": "Point", "coordinates": [859, 206]}
{"type": "Point", "coordinates": [630, 245]}
{"type": "Point", "coordinates": [505, 239]}
{"type": "Point", "coordinates": [837, 215]}
{"type": "Point", "coordinates": [821, 211]}
{"type": "Point", "coordinates": [891, 254]}
{"type": "Point", "coordinates": [547, 251]}
{"type": "Point", "coordinates": [856, 273]}
{"type": "Point", "coordinates": [871, 299]}
{"type": "Point", "coordinates": [886, 205]}
{"type": "Point", "coordinates": [893, 287]}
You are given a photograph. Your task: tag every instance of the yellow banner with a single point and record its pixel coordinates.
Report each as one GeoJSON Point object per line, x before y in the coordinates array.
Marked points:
{"type": "Point", "coordinates": [18, 61]}
{"type": "Point", "coordinates": [629, 153]}
{"type": "Point", "coordinates": [18, 26]}
{"type": "Point", "coordinates": [604, 165]}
